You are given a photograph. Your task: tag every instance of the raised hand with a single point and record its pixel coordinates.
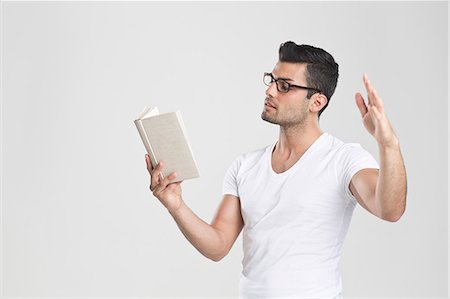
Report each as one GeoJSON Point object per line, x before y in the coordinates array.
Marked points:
{"type": "Point", "coordinates": [169, 194]}
{"type": "Point", "coordinates": [374, 116]}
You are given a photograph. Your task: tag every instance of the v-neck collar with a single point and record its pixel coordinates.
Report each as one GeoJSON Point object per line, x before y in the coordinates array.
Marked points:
{"type": "Point", "coordinates": [299, 161]}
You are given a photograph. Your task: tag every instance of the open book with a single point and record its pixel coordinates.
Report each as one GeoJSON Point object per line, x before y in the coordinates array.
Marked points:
{"type": "Point", "coordinates": [165, 139]}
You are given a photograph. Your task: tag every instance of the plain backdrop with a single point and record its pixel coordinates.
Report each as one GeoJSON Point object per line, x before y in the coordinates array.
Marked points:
{"type": "Point", "coordinates": [78, 219]}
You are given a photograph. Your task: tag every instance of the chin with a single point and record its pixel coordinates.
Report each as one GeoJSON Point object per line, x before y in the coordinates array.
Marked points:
{"type": "Point", "coordinates": [268, 119]}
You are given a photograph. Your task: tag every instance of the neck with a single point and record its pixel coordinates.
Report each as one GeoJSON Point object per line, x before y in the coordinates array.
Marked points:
{"type": "Point", "coordinates": [295, 140]}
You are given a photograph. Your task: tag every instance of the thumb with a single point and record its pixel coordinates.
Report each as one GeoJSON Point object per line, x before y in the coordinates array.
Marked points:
{"type": "Point", "coordinates": [175, 185]}
{"type": "Point", "coordinates": [360, 103]}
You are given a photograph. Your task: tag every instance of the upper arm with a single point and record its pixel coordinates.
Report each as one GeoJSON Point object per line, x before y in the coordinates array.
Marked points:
{"type": "Point", "coordinates": [228, 220]}
{"type": "Point", "coordinates": [363, 185]}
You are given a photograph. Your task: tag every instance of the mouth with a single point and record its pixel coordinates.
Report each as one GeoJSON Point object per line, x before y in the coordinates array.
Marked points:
{"type": "Point", "coordinates": [268, 104]}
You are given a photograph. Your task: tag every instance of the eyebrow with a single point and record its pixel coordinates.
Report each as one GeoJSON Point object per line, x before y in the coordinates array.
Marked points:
{"type": "Point", "coordinates": [282, 78]}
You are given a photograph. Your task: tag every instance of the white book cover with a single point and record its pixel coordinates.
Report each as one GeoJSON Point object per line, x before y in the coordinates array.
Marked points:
{"type": "Point", "coordinates": [165, 139]}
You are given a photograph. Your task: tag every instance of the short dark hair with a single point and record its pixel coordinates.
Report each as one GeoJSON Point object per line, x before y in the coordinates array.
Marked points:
{"type": "Point", "coordinates": [322, 71]}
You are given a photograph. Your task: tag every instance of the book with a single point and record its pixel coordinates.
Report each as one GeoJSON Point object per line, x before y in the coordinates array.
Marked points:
{"type": "Point", "coordinates": [165, 139]}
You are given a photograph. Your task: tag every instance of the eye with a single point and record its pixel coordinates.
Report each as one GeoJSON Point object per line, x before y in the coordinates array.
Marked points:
{"type": "Point", "coordinates": [283, 85]}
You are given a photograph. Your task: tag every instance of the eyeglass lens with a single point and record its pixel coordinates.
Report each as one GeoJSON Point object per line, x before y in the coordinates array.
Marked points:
{"type": "Point", "coordinates": [282, 85]}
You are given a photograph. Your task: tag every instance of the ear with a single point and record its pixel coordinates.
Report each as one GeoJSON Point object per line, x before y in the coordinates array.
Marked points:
{"type": "Point", "coordinates": [318, 101]}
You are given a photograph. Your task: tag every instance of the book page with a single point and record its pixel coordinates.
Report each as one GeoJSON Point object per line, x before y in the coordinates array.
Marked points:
{"type": "Point", "coordinates": [152, 112]}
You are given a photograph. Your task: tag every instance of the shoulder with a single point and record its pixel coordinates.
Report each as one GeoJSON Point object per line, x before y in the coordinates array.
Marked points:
{"type": "Point", "coordinates": [246, 159]}
{"type": "Point", "coordinates": [342, 148]}
{"type": "Point", "coordinates": [350, 157]}
{"type": "Point", "coordinates": [255, 154]}
{"type": "Point", "coordinates": [345, 155]}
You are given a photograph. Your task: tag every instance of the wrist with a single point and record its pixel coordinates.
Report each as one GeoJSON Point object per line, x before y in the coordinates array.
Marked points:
{"type": "Point", "coordinates": [393, 144]}
{"type": "Point", "coordinates": [176, 209]}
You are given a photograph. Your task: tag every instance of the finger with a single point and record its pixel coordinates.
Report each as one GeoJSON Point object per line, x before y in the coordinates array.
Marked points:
{"type": "Point", "coordinates": [174, 185]}
{"type": "Point", "coordinates": [149, 163]}
{"type": "Point", "coordinates": [369, 89]}
{"type": "Point", "coordinates": [166, 181]}
{"type": "Point", "coordinates": [377, 100]}
{"type": "Point", "coordinates": [361, 104]}
{"type": "Point", "coordinates": [367, 83]}
{"type": "Point", "coordinates": [372, 95]}
{"type": "Point", "coordinates": [156, 175]}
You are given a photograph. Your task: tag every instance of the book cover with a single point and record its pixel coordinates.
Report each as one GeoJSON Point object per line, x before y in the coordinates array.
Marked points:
{"type": "Point", "coordinates": [165, 139]}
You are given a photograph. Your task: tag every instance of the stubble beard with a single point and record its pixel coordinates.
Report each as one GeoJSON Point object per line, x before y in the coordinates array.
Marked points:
{"type": "Point", "coordinates": [268, 118]}
{"type": "Point", "coordinates": [297, 119]}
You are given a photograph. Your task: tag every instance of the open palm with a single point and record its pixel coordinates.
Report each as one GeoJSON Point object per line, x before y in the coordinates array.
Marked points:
{"type": "Point", "coordinates": [374, 116]}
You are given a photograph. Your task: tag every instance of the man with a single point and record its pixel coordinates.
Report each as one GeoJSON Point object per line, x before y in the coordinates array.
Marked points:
{"type": "Point", "coordinates": [294, 198]}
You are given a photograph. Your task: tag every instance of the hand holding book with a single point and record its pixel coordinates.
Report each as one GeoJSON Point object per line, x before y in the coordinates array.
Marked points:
{"type": "Point", "coordinates": [168, 192]}
{"type": "Point", "coordinates": [170, 159]}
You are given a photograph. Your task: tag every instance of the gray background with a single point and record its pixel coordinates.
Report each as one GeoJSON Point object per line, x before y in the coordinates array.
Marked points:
{"type": "Point", "coordinates": [78, 219]}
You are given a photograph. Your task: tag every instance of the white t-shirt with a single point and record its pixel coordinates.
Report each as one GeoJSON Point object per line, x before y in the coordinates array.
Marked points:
{"type": "Point", "coordinates": [295, 222]}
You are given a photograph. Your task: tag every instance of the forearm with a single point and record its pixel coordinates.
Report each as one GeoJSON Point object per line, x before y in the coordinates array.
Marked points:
{"type": "Point", "coordinates": [205, 238]}
{"type": "Point", "coordinates": [390, 192]}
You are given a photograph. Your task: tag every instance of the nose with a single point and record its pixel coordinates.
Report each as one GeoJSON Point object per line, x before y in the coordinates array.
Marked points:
{"type": "Point", "coordinates": [271, 89]}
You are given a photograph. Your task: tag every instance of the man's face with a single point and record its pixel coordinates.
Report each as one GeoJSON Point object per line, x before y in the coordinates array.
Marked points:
{"type": "Point", "coordinates": [291, 108]}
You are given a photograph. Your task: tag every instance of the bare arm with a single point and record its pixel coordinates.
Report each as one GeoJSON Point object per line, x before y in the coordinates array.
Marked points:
{"type": "Point", "coordinates": [390, 193]}
{"type": "Point", "coordinates": [213, 240]}
{"type": "Point", "coordinates": [216, 239]}
{"type": "Point", "coordinates": [383, 193]}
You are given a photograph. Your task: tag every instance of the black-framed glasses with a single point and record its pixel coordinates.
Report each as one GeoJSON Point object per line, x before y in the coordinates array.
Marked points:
{"type": "Point", "coordinates": [283, 85]}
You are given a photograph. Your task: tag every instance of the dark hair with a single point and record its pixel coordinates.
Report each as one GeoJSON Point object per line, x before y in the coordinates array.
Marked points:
{"type": "Point", "coordinates": [321, 69]}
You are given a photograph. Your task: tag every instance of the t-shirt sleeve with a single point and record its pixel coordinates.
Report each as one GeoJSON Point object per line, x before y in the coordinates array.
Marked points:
{"type": "Point", "coordinates": [353, 159]}
{"type": "Point", "coordinates": [230, 183]}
